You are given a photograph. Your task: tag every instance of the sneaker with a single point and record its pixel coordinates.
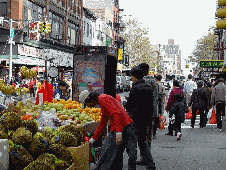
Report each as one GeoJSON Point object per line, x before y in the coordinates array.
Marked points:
{"type": "Point", "coordinates": [179, 136]}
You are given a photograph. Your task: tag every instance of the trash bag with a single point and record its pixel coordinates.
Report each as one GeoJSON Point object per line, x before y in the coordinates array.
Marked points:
{"type": "Point", "coordinates": [162, 122]}
{"type": "Point", "coordinates": [189, 114]}
{"type": "Point", "coordinates": [213, 119]}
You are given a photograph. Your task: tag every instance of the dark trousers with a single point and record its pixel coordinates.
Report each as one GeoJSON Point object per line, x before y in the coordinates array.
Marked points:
{"type": "Point", "coordinates": [220, 107]}
{"type": "Point", "coordinates": [202, 116]}
{"type": "Point", "coordinates": [155, 124]}
{"type": "Point", "coordinates": [32, 92]}
{"type": "Point", "coordinates": [139, 136]}
{"type": "Point", "coordinates": [175, 126]}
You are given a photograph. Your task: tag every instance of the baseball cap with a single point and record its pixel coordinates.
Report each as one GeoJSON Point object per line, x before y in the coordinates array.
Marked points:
{"type": "Point", "coordinates": [82, 97]}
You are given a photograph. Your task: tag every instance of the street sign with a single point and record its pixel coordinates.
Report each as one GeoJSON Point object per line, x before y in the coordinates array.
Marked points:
{"type": "Point", "coordinates": [120, 54]}
{"type": "Point", "coordinates": [1, 20]}
{"type": "Point", "coordinates": [211, 63]}
{"type": "Point", "coordinates": [11, 32]}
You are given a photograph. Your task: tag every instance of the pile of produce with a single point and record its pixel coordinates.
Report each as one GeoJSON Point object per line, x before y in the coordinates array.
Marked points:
{"type": "Point", "coordinates": [28, 73]}
{"type": "Point", "coordinates": [6, 88]}
{"type": "Point", "coordinates": [30, 149]}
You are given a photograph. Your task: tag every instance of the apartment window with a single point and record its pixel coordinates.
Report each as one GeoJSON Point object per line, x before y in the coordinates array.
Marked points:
{"type": "Point", "coordinates": [87, 29]}
{"type": "Point", "coordinates": [84, 27]}
{"type": "Point", "coordinates": [56, 25]}
{"type": "Point", "coordinates": [93, 33]}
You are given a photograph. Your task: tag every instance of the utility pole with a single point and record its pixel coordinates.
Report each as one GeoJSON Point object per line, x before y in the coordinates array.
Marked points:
{"type": "Point", "coordinates": [11, 50]}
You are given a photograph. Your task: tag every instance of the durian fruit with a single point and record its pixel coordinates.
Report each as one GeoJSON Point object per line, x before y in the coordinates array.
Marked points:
{"type": "Point", "coordinates": [11, 121]}
{"type": "Point", "coordinates": [38, 145]}
{"type": "Point", "coordinates": [22, 136]}
{"type": "Point", "coordinates": [48, 133]}
{"type": "Point", "coordinates": [31, 125]}
{"type": "Point", "coordinates": [66, 138]}
{"type": "Point", "coordinates": [50, 158]}
{"type": "Point", "coordinates": [59, 165]}
{"type": "Point", "coordinates": [39, 165]}
{"type": "Point", "coordinates": [3, 135]}
{"type": "Point", "coordinates": [62, 153]}
{"type": "Point", "coordinates": [19, 158]}
{"type": "Point", "coordinates": [75, 131]}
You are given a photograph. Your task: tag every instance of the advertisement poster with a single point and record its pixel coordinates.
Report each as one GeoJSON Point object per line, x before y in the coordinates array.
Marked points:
{"type": "Point", "coordinates": [89, 75]}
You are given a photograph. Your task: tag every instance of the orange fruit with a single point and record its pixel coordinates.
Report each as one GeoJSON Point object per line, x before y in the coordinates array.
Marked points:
{"type": "Point", "coordinates": [54, 100]}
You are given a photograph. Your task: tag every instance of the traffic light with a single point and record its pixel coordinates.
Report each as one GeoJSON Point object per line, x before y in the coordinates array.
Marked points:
{"type": "Point", "coordinates": [41, 27]}
{"type": "Point", "coordinates": [48, 28]}
{"type": "Point", "coordinates": [221, 14]}
{"type": "Point", "coordinates": [186, 66]}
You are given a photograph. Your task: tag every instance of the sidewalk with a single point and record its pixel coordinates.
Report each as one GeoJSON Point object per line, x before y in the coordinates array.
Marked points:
{"type": "Point", "coordinates": [199, 149]}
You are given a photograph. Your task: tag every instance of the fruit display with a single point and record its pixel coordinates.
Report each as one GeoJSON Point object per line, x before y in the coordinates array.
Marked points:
{"type": "Point", "coordinates": [21, 90]}
{"type": "Point", "coordinates": [28, 73]}
{"type": "Point", "coordinates": [6, 88]}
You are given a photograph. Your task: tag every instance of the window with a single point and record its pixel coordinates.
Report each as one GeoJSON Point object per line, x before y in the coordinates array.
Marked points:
{"type": "Point", "coordinates": [84, 27]}
{"type": "Point", "coordinates": [87, 29]}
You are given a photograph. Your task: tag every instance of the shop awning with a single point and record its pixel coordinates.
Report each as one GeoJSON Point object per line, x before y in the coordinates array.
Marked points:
{"type": "Point", "coordinates": [38, 69]}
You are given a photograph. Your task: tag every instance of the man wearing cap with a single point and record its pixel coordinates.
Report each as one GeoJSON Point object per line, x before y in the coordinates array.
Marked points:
{"type": "Point", "coordinates": [111, 156]}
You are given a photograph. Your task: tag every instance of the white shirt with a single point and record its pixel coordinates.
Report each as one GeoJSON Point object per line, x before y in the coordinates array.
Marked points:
{"type": "Point", "coordinates": [190, 86]}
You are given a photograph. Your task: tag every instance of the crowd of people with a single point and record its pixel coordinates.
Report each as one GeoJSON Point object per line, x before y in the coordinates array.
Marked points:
{"type": "Point", "coordinates": [139, 120]}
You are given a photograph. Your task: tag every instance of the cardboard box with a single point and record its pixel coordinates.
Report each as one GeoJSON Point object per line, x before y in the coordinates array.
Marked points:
{"type": "Point", "coordinates": [85, 166]}
{"type": "Point", "coordinates": [81, 154]}
{"type": "Point", "coordinates": [4, 154]}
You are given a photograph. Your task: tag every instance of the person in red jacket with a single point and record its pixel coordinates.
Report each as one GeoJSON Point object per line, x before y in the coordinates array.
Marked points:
{"type": "Point", "coordinates": [111, 156]}
{"type": "Point", "coordinates": [172, 99]}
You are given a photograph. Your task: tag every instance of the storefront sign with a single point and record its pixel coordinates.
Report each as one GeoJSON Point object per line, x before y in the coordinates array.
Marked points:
{"type": "Point", "coordinates": [29, 61]}
{"type": "Point", "coordinates": [25, 50]}
{"type": "Point", "coordinates": [211, 63]}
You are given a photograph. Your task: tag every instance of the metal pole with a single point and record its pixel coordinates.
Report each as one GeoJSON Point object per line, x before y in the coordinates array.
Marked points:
{"type": "Point", "coordinates": [11, 52]}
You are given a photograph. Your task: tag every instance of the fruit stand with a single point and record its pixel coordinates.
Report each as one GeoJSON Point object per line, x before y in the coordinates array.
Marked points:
{"type": "Point", "coordinates": [50, 135]}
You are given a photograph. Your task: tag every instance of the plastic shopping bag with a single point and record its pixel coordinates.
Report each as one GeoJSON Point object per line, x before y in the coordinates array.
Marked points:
{"type": "Point", "coordinates": [162, 122]}
{"type": "Point", "coordinates": [189, 114]}
{"type": "Point", "coordinates": [213, 119]}
{"type": "Point", "coordinates": [197, 113]}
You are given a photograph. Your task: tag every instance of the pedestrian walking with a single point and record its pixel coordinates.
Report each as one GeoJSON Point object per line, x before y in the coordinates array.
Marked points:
{"type": "Point", "coordinates": [31, 88]}
{"type": "Point", "coordinates": [208, 86]}
{"type": "Point", "coordinates": [154, 112]}
{"type": "Point", "coordinates": [111, 156]}
{"type": "Point", "coordinates": [178, 109]}
{"type": "Point", "coordinates": [218, 99]}
{"type": "Point", "coordinates": [139, 106]}
{"type": "Point", "coordinates": [161, 102]}
{"type": "Point", "coordinates": [172, 99]}
{"type": "Point", "coordinates": [199, 100]}
{"type": "Point", "coordinates": [189, 86]}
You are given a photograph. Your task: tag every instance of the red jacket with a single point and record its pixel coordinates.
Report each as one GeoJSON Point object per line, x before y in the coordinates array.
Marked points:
{"type": "Point", "coordinates": [113, 110]}
{"type": "Point", "coordinates": [118, 98]}
{"type": "Point", "coordinates": [172, 98]}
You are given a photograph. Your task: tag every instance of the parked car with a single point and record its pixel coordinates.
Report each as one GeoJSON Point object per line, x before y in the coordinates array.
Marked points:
{"type": "Point", "coordinates": [128, 78]}
{"type": "Point", "coordinates": [121, 83]}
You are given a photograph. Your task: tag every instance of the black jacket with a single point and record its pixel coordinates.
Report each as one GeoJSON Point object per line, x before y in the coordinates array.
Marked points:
{"type": "Point", "coordinates": [199, 98]}
{"type": "Point", "coordinates": [140, 103]}
{"type": "Point", "coordinates": [177, 109]}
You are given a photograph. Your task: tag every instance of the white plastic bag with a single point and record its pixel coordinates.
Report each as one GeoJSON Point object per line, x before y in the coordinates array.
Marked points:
{"type": "Point", "coordinates": [209, 113]}
{"type": "Point", "coordinates": [166, 116]}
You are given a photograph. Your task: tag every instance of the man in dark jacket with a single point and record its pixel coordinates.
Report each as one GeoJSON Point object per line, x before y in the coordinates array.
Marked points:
{"type": "Point", "coordinates": [208, 86]}
{"type": "Point", "coordinates": [199, 100]}
{"type": "Point", "coordinates": [140, 101]}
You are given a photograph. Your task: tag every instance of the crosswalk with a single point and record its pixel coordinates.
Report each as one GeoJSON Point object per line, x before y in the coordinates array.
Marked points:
{"type": "Point", "coordinates": [187, 123]}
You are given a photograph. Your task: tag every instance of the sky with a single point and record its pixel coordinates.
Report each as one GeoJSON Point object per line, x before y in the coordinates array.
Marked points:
{"type": "Point", "coordinates": [182, 20]}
